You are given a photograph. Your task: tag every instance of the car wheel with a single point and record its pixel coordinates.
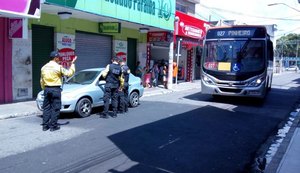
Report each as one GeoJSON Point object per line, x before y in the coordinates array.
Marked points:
{"type": "Point", "coordinates": [134, 99]}
{"type": "Point", "coordinates": [84, 108]}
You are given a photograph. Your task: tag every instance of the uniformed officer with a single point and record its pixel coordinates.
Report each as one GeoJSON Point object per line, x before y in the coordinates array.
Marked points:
{"type": "Point", "coordinates": [123, 93]}
{"type": "Point", "coordinates": [112, 75]}
{"type": "Point", "coordinates": [51, 82]}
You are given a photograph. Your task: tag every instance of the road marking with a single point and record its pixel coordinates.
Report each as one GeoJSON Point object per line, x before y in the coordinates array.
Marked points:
{"type": "Point", "coordinates": [170, 142]}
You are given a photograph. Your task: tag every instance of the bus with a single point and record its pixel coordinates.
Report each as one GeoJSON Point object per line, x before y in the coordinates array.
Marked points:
{"type": "Point", "coordinates": [237, 61]}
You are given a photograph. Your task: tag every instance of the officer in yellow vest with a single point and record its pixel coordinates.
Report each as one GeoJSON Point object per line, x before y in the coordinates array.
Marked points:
{"type": "Point", "coordinates": [51, 82]}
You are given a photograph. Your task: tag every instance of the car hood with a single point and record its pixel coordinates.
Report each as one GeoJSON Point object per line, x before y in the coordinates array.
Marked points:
{"type": "Point", "coordinates": [72, 87]}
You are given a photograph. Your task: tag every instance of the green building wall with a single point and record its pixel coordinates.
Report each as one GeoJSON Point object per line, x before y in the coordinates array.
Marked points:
{"type": "Point", "coordinates": [70, 26]}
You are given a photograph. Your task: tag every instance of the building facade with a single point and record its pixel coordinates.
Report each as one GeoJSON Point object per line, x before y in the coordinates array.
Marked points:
{"type": "Point", "coordinates": [93, 30]}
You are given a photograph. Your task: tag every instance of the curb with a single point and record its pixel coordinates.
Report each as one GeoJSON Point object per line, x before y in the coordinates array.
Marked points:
{"type": "Point", "coordinates": [16, 115]}
{"type": "Point", "coordinates": [276, 160]}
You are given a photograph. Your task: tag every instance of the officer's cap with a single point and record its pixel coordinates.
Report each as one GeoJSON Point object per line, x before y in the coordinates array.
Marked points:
{"type": "Point", "coordinates": [54, 54]}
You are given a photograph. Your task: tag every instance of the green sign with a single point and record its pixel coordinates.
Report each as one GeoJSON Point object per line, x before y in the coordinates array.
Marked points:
{"type": "Point", "coordinates": [110, 27]}
{"type": "Point", "coordinates": [156, 13]}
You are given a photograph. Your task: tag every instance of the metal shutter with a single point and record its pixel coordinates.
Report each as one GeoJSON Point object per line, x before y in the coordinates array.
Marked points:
{"type": "Point", "coordinates": [92, 50]}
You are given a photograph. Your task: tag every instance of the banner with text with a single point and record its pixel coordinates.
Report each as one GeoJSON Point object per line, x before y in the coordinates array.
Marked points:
{"type": "Point", "coordinates": [66, 48]}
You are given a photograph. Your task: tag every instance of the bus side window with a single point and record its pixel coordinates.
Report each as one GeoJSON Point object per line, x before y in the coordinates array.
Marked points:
{"type": "Point", "coordinates": [270, 52]}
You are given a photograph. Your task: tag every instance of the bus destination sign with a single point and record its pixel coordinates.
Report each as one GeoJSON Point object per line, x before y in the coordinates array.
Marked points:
{"type": "Point", "coordinates": [236, 33]}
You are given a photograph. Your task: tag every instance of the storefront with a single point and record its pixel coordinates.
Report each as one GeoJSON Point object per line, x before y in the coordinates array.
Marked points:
{"type": "Point", "coordinates": [87, 29]}
{"type": "Point", "coordinates": [189, 34]}
{"type": "Point", "coordinates": [13, 21]}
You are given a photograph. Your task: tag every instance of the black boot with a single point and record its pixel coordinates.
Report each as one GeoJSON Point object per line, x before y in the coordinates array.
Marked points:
{"type": "Point", "coordinates": [46, 127]}
{"type": "Point", "coordinates": [54, 128]}
{"type": "Point", "coordinates": [114, 115]}
{"type": "Point", "coordinates": [104, 115]}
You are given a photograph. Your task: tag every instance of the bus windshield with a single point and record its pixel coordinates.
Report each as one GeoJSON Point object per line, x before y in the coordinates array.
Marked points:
{"type": "Point", "coordinates": [234, 55]}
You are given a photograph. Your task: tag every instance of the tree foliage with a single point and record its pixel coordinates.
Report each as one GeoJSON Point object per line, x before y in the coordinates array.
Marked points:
{"type": "Point", "coordinates": [288, 46]}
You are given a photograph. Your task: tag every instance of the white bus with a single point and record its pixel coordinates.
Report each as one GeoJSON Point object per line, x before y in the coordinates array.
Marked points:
{"type": "Point", "coordinates": [237, 61]}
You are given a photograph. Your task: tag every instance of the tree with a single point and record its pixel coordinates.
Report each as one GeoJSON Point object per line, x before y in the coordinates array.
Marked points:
{"type": "Point", "coordinates": [288, 46]}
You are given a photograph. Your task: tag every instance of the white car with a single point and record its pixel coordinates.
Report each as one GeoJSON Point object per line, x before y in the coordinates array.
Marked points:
{"type": "Point", "coordinates": [292, 68]}
{"type": "Point", "coordinates": [85, 90]}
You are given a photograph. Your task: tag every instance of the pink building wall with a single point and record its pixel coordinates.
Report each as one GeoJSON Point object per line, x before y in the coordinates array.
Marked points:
{"type": "Point", "coordinates": [5, 63]}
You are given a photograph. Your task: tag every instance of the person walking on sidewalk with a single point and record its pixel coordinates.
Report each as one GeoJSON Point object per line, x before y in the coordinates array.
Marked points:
{"type": "Point", "coordinates": [51, 81]}
{"type": "Point", "coordinates": [112, 75]}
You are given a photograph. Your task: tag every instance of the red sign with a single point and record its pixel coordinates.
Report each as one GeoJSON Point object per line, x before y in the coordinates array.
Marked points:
{"type": "Point", "coordinates": [122, 55]}
{"type": "Point", "coordinates": [189, 26]}
{"type": "Point", "coordinates": [66, 56]}
{"type": "Point", "coordinates": [158, 36]}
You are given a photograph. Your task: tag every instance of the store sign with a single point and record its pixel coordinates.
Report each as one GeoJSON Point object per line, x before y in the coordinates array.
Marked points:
{"type": "Point", "coordinates": [22, 8]}
{"type": "Point", "coordinates": [110, 27]}
{"type": "Point", "coordinates": [189, 26]}
{"type": "Point", "coordinates": [66, 48]}
{"type": "Point", "coordinates": [157, 13]}
{"type": "Point", "coordinates": [159, 36]}
{"type": "Point", "coordinates": [18, 28]}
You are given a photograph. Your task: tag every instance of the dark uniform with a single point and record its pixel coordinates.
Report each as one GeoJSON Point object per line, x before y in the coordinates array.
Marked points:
{"type": "Point", "coordinates": [123, 93]}
{"type": "Point", "coordinates": [112, 73]}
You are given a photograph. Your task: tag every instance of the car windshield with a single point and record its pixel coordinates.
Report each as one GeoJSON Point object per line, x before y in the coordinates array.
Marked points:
{"type": "Point", "coordinates": [83, 77]}
{"type": "Point", "coordinates": [234, 56]}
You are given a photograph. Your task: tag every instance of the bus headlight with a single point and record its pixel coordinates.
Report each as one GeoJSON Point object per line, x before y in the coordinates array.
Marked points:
{"type": "Point", "coordinates": [256, 82]}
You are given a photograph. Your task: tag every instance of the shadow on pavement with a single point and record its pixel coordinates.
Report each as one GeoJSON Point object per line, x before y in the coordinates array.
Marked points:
{"type": "Point", "coordinates": [195, 142]}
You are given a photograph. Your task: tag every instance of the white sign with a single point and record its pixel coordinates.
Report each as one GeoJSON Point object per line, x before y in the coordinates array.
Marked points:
{"type": "Point", "coordinates": [120, 48]}
{"type": "Point", "coordinates": [65, 41]}
{"type": "Point", "coordinates": [66, 48]}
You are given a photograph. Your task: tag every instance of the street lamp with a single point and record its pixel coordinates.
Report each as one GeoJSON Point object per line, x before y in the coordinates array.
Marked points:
{"type": "Point", "coordinates": [280, 3]}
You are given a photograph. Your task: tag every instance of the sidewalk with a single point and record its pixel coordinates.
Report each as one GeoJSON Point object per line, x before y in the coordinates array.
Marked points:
{"type": "Point", "coordinates": [287, 157]}
{"type": "Point", "coordinates": [13, 110]}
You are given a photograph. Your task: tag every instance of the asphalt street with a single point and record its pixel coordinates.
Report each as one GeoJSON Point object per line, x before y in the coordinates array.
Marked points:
{"type": "Point", "coordinates": [175, 132]}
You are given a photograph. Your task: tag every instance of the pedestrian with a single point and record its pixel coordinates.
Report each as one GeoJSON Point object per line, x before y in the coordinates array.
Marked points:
{"type": "Point", "coordinates": [155, 74]}
{"type": "Point", "coordinates": [138, 70]}
{"type": "Point", "coordinates": [112, 75]}
{"type": "Point", "coordinates": [123, 92]}
{"type": "Point", "coordinates": [52, 74]}
{"type": "Point", "coordinates": [175, 71]}
{"type": "Point", "coordinates": [165, 76]}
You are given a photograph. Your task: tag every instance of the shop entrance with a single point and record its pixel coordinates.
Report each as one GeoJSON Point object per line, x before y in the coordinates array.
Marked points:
{"type": "Point", "coordinates": [131, 54]}
{"type": "Point", "coordinates": [93, 50]}
{"type": "Point", "coordinates": [42, 45]}
{"type": "Point", "coordinates": [197, 62]}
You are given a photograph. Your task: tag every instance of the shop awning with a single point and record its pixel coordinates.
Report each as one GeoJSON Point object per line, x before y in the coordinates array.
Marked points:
{"type": "Point", "coordinates": [17, 8]}
{"type": "Point", "coordinates": [189, 26]}
{"type": "Point", "coordinates": [190, 30]}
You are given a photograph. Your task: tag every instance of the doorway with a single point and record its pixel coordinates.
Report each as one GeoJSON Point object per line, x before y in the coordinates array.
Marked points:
{"type": "Point", "coordinates": [131, 53]}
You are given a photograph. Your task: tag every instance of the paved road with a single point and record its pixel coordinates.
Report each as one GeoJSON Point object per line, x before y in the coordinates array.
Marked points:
{"type": "Point", "coordinates": [176, 132]}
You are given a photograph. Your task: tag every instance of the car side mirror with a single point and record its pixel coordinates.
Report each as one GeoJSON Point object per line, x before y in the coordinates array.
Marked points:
{"type": "Point", "coordinates": [102, 82]}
